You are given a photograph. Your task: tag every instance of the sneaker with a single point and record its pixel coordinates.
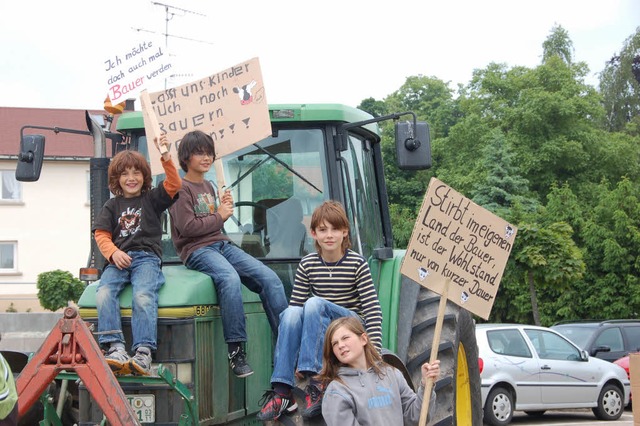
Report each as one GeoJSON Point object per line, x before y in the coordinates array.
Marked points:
{"type": "Point", "coordinates": [313, 399]}
{"type": "Point", "coordinates": [238, 363]}
{"type": "Point", "coordinates": [274, 405]}
{"type": "Point", "coordinates": [140, 364]}
{"type": "Point", "coordinates": [118, 360]}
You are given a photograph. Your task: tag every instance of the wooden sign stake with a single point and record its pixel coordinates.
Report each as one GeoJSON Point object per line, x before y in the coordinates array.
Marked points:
{"type": "Point", "coordinates": [434, 352]}
{"type": "Point", "coordinates": [151, 121]}
{"type": "Point", "coordinates": [222, 185]}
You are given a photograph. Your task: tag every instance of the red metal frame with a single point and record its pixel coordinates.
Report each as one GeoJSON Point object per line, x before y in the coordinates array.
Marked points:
{"type": "Point", "coordinates": [71, 347]}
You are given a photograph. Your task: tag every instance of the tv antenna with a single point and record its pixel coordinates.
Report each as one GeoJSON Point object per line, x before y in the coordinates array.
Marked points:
{"type": "Point", "coordinates": [170, 13]}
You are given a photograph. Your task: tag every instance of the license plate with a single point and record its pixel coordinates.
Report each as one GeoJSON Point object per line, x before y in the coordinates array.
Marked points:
{"type": "Point", "coordinates": [144, 406]}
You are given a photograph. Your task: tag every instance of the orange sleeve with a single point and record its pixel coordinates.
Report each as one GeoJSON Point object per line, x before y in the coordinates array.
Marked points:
{"type": "Point", "coordinates": [172, 183]}
{"type": "Point", "coordinates": [106, 246]}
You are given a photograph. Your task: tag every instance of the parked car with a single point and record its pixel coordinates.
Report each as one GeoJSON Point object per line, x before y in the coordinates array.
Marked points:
{"type": "Point", "coordinates": [624, 363]}
{"type": "Point", "coordinates": [608, 340]}
{"type": "Point", "coordinates": [534, 369]}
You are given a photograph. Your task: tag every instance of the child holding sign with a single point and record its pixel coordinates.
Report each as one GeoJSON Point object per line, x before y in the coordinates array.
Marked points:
{"type": "Point", "coordinates": [362, 389]}
{"type": "Point", "coordinates": [196, 230]}
{"type": "Point", "coordinates": [128, 231]}
{"type": "Point", "coordinates": [332, 283]}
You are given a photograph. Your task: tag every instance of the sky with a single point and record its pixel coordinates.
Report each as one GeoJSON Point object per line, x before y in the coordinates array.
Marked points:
{"type": "Point", "coordinates": [54, 53]}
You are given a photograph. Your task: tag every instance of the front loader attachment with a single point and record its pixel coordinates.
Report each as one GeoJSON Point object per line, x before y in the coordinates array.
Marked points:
{"type": "Point", "coordinates": [71, 347]}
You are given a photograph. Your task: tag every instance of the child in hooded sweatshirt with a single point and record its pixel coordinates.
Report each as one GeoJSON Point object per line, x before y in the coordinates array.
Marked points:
{"type": "Point", "coordinates": [362, 389]}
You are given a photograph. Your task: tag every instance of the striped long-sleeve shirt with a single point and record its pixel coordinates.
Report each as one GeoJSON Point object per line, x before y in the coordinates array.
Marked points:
{"type": "Point", "coordinates": [346, 283]}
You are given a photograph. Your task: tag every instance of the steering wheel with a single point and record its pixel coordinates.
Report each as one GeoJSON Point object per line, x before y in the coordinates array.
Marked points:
{"type": "Point", "coordinates": [256, 228]}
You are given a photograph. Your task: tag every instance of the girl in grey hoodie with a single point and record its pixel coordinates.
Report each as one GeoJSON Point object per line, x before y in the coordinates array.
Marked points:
{"type": "Point", "coordinates": [361, 389]}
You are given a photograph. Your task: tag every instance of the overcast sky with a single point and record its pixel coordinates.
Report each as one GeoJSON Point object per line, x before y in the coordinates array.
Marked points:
{"type": "Point", "coordinates": [330, 51]}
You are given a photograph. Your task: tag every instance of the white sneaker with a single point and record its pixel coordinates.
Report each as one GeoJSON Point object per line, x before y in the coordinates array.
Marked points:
{"type": "Point", "coordinates": [140, 364]}
{"type": "Point", "coordinates": [118, 360]}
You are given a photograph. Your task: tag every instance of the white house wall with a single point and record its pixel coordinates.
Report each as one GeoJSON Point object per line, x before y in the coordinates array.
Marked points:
{"type": "Point", "coordinates": [51, 226]}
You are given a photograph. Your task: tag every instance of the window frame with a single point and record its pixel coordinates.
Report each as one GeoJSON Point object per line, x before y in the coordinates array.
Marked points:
{"type": "Point", "coordinates": [14, 269]}
{"type": "Point", "coordinates": [9, 172]}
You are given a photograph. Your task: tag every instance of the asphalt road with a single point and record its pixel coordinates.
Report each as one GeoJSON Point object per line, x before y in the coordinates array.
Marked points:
{"type": "Point", "coordinates": [570, 417]}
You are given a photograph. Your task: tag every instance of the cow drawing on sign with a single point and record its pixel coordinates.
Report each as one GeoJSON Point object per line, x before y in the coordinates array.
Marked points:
{"type": "Point", "coordinates": [244, 92]}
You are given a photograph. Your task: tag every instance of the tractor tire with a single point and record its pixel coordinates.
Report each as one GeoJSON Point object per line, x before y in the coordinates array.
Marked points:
{"type": "Point", "coordinates": [458, 394]}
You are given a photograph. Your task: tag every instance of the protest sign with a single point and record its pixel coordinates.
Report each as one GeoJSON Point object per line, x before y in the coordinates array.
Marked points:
{"type": "Point", "coordinates": [135, 67]}
{"type": "Point", "coordinates": [230, 105]}
{"type": "Point", "coordinates": [456, 239]}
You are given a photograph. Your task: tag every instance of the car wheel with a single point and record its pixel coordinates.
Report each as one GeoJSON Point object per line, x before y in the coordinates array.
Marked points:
{"type": "Point", "coordinates": [609, 403]}
{"type": "Point", "coordinates": [498, 410]}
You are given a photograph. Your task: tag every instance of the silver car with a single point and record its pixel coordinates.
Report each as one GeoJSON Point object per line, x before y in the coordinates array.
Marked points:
{"type": "Point", "coordinates": [534, 369]}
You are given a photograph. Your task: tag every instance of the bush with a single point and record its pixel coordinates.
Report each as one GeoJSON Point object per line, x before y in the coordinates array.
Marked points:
{"type": "Point", "coordinates": [57, 288]}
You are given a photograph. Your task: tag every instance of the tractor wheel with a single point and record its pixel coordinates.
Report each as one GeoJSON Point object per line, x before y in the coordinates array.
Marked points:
{"type": "Point", "coordinates": [458, 397]}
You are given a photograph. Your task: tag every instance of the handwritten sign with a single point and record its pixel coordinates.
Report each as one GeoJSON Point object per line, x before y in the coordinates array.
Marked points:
{"type": "Point", "coordinates": [135, 68]}
{"type": "Point", "coordinates": [457, 239]}
{"type": "Point", "coordinates": [230, 105]}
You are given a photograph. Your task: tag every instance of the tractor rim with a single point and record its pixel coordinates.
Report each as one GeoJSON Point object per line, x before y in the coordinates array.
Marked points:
{"type": "Point", "coordinates": [463, 390]}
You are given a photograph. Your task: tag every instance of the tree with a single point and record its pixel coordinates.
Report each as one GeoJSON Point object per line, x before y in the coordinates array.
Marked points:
{"type": "Point", "coordinates": [558, 44]}
{"type": "Point", "coordinates": [431, 100]}
{"type": "Point", "coordinates": [373, 107]}
{"type": "Point", "coordinates": [57, 288]}
{"type": "Point", "coordinates": [503, 186]}
{"type": "Point", "coordinates": [549, 257]}
{"type": "Point", "coordinates": [611, 236]}
{"type": "Point", "coordinates": [620, 86]}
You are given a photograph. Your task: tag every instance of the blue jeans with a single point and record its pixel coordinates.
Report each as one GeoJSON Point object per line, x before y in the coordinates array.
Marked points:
{"type": "Point", "coordinates": [306, 324]}
{"type": "Point", "coordinates": [227, 264]}
{"type": "Point", "coordinates": [146, 277]}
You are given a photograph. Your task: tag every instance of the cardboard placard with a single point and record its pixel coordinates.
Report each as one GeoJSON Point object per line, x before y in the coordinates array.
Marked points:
{"type": "Point", "coordinates": [134, 67]}
{"type": "Point", "coordinates": [230, 105]}
{"type": "Point", "coordinates": [634, 375]}
{"type": "Point", "coordinates": [457, 239]}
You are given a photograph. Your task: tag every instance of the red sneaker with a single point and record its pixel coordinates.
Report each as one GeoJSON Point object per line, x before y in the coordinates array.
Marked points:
{"type": "Point", "coordinates": [274, 405]}
{"type": "Point", "coordinates": [313, 408]}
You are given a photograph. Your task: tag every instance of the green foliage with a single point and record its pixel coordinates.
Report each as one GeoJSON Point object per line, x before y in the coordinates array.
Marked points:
{"type": "Point", "coordinates": [549, 153]}
{"type": "Point", "coordinates": [57, 288]}
{"type": "Point", "coordinates": [558, 44]}
{"type": "Point", "coordinates": [611, 238]}
{"type": "Point", "coordinates": [503, 186]}
{"type": "Point", "coordinates": [402, 220]}
{"type": "Point", "coordinates": [620, 86]}
{"type": "Point", "coordinates": [548, 257]}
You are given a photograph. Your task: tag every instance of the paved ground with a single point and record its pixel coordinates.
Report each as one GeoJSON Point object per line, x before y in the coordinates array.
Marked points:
{"type": "Point", "coordinates": [571, 418]}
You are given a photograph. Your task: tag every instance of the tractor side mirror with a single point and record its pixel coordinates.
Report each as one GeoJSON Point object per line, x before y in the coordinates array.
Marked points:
{"type": "Point", "coordinates": [30, 158]}
{"type": "Point", "coordinates": [413, 146]}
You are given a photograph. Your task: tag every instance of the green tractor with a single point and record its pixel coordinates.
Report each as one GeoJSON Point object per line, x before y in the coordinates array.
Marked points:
{"type": "Point", "coordinates": [315, 152]}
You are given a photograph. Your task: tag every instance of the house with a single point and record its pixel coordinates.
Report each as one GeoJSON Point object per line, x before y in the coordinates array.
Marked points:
{"type": "Point", "coordinates": [44, 225]}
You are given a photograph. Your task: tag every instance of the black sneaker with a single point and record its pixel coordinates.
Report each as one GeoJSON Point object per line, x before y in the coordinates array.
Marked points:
{"type": "Point", "coordinates": [274, 405]}
{"type": "Point", "coordinates": [313, 399]}
{"type": "Point", "coordinates": [238, 363]}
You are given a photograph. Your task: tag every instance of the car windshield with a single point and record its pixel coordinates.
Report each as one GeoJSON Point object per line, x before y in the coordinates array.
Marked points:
{"type": "Point", "coordinates": [578, 334]}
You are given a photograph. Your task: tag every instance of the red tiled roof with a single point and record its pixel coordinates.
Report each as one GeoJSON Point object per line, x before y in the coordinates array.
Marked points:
{"type": "Point", "coordinates": [57, 144]}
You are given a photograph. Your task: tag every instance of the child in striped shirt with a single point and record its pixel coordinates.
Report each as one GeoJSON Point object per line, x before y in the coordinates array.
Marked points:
{"type": "Point", "coordinates": [334, 282]}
